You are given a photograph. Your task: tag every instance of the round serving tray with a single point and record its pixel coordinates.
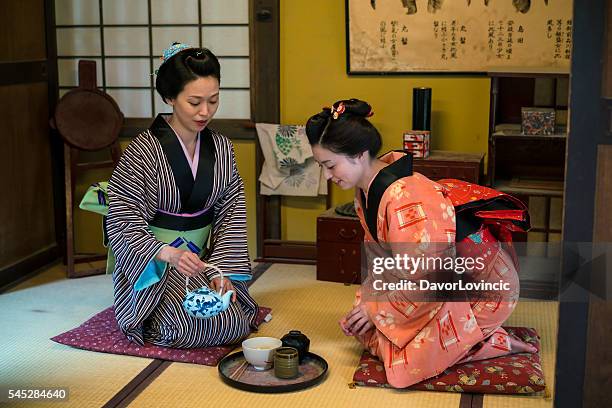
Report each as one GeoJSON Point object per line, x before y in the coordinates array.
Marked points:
{"type": "Point", "coordinates": [235, 371]}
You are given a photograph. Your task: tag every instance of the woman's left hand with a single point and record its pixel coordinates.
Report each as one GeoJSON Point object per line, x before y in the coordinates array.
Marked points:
{"type": "Point", "coordinates": [227, 285]}
{"type": "Point", "coordinates": [357, 320]}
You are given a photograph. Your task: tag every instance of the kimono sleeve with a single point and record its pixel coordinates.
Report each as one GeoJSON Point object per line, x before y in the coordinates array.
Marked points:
{"type": "Point", "coordinates": [415, 222]}
{"type": "Point", "coordinates": [229, 251]}
{"type": "Point", "coordinates": [133, 197]}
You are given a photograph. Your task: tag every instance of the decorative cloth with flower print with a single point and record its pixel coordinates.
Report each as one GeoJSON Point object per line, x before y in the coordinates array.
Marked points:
{"type": "Point", "coordinates": [289, 167]}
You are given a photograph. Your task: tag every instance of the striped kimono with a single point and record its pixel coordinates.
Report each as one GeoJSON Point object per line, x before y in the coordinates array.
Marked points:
{"type": "Point", "coordinates": [152, 181]}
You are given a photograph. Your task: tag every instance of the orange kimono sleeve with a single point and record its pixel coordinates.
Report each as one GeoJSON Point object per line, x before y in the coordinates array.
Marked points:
{"type": "Point", "coordinates": [415, 220]}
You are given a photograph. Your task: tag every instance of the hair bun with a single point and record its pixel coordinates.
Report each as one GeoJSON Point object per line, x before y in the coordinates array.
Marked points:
{"type": "Point", "coordinates": [355, 107]}
{"type": "Point", "coordinates": [316, 125]}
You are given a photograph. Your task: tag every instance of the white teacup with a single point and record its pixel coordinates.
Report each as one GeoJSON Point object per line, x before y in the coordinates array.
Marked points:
{"type": "Point", "coordinates": [259, 351]}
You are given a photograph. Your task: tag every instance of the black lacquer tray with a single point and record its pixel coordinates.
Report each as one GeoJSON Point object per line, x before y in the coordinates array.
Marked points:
{"type": "Point", "coordinates": [236, 372]}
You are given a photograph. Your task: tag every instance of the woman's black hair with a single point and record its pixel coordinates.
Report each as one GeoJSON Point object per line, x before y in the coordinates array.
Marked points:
{"type": "Point", "coordinates": [183, 67]}
{"type": "Point", "coordinates": [345, 129]}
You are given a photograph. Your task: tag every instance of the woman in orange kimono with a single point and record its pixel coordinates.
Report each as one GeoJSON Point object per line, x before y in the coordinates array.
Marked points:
{"type": "Point", "coordinates": [416, 336]}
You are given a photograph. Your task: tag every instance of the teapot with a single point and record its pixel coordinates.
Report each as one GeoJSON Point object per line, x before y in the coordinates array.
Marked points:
{"type": "Point", "coordinates": [204, 302]}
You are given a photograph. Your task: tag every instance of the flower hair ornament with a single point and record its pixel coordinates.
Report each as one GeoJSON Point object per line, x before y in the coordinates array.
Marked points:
{"type": "Point", "coordinates": [171, 51]}
{"type": "Point", "coordinates": [336, 112]}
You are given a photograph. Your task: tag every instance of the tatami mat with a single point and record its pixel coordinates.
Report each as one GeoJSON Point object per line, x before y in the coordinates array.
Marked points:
{"type": "Point", "coordinates": [544, 317]}
{"type": "Point", "coordinates": [31, 314]}
{"type": "Point", "coordinates": [300, 302]}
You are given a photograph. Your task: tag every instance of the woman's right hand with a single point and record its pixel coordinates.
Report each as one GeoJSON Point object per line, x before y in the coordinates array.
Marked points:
{"type": "Point", "coordinates": [185, 262]}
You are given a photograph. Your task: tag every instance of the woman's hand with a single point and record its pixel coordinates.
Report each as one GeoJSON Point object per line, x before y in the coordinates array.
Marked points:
{"type": "Point", "coordinates": [345, 329]}
{"type": "Point", "coordinates": [227, 285]}
{"type": "Point", "coordinates": [356, 322]}
{"type": "Point", "coordinates": [185, 262]}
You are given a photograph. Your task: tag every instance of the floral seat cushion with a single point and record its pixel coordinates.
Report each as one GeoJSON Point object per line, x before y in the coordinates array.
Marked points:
{"type": "Point", "coordinates": [519, 373]}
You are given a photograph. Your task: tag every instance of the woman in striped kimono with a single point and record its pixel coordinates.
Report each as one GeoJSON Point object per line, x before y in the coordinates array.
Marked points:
{"type": "Point", "coordinates": [176, 198]}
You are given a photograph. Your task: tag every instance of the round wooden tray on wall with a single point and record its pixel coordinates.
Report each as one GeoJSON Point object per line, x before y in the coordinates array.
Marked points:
{"type": "Point", "coordinates": [88, 119]}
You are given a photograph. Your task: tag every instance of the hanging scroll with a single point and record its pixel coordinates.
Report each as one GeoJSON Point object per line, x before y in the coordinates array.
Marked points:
{"type": "Point", "coordinates": [458, 36]}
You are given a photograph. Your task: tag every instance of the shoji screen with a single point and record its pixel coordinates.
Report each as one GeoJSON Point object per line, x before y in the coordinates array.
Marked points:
{"type": "Point", "coordinates": [126, 39]}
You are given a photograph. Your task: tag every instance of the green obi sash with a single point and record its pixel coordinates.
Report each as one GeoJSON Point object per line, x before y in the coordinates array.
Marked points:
{"type": "Point", "coordinates": [96, 200]}
{"type": "Point", "coordinates": [188, 233]}
{"type": "Point", "coordinates": [192, 240]}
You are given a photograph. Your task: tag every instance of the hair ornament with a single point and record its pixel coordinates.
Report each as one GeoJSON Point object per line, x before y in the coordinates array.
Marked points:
{"type": "Point", "coordinates": [171, 51]}
{"type": "Point", "coordinates": [370, 113]}
{"type": "Point", "coordinates": [336, 112]}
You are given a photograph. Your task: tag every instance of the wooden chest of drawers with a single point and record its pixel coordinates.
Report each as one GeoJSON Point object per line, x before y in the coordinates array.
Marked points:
{"type": "Point", "coordinates": [339, 241]}
{"type": "Point", "coordinates": [442, 164]}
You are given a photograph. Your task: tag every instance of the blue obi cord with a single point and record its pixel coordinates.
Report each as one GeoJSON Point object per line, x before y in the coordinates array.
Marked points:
{"type": "Point", "coordinates": [194, 241]}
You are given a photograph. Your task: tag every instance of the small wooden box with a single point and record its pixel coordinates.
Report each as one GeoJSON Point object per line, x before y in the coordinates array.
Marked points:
{"type": "Point", "coordinates": [417, 142]}
{"type": "Point", "coordinates": [339, 240]}
{"type": "Point", "coordinates": [538, 121]}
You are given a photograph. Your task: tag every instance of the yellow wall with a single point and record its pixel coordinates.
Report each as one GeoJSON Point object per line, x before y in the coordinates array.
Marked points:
{"type": "Point", "coordinates": [245, 158]}
{"type": "Point", "coordinates": [313, 74]}
{"type": "Point", "coordinates": [88, 226]}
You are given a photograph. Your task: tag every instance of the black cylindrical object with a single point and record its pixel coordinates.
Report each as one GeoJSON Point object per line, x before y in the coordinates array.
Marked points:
{"type": "Point", "coordinates": [421, 109]}
{"type": "Point", "coordinates": [298, 341]}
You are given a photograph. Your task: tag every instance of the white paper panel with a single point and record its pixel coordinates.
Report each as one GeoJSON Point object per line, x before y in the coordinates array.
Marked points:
{"type": "Point", "coordinates": [134, 103]}
{"type": "Point", "coordinates": [128, 72]}
{"type": "Point", "coordinates": [234, 72]}
{"type": "Point", "coordinates": [174, 12]}
{"type": "Point", "coordinates": [126, 41]}
{"type": "Point", "coordinates": [164, 36]}
{"type": "Point", "coordinates": [160, 106]}
{"type": "Point", "coordinates": [225, 11]}
{"type": "Point", "coordinates": [156, 63]}
{"type": "Point", "coordinates": [78, 41]}
{"type": "Point", "coordinates": [67, 70]}
{"type": "Point", "coordinates": [76, 12]}
{"type": "Point", "coordinates": [226, 41]}
{"type": "Point", "coordinates": [125, 12]}
{"type": "Point", "coordinates": [234, 104]}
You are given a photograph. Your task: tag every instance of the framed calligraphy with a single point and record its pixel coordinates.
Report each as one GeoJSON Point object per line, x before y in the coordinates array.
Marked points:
{"type": "Point", "coordinates": [458, 36]}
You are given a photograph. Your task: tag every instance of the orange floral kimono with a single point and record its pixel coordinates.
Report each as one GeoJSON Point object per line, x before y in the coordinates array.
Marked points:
{"type": "Point", "coordinates": [419, 339]}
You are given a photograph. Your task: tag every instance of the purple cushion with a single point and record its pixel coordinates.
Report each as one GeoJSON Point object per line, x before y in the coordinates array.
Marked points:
{"type": "Point", "coordinates": [101, 333]}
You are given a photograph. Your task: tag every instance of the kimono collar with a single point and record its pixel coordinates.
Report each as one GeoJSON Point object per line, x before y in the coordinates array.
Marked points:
{"type": "Point", "coordinates": [400, 166]}
{"type": "Point", "coordinates": [393, 156]}
{"type": "Point", "coordinates": [193, 192]}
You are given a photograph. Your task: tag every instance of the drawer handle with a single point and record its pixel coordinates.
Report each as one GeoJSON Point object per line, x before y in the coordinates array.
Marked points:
{"type": "Point", "coordinates": [343, 234]}
{"type": "Point", "coordinates": [342, 253]}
